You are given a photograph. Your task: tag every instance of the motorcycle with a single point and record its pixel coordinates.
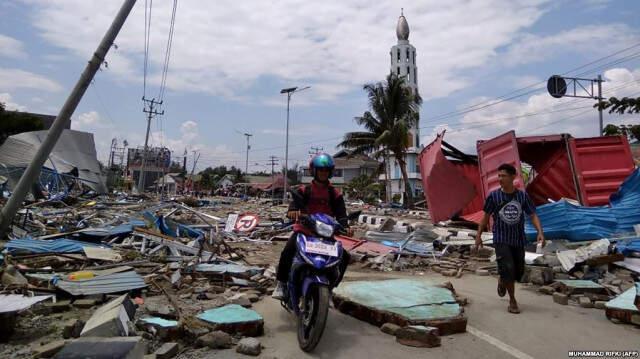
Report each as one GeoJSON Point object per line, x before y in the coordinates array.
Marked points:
{"type": "Point", "coordinates": [314, 273]}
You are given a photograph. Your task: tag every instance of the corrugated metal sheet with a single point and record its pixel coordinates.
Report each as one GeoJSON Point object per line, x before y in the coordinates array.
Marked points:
{"type": "Point", "coordinates": [439, 177]}
{"type": "Point", "coordinates": [74, 149]}
{"type": "Point", "coordinates": [16, 302]}
{"type": "Point", "coordinates": [601, 163]}
{"type": "Point", "coordinates": [34, 246]}
{"type": "Point", "coordinates": [562, 220]}
{"type": "Point", "coordinates": [554, 182]}
{"type": "Point", "coordinates": [493, 153]}
{"type": "Point", "coordinates": [112, 283]}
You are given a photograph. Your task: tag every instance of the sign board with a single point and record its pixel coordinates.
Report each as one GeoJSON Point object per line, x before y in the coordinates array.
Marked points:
{"type": "Point", "coordinates": [231, 222]}
{"type": "Point", "coordinates": [246, 222]}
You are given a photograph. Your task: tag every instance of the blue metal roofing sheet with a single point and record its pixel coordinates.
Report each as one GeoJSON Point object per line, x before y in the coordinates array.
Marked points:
{"type": "Point", "coordinates": [34, 246]}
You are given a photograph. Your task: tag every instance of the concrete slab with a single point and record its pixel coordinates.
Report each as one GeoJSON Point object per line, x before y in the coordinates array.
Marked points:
{"type": "Point", "coordinates": [104, 348]}
{"type": "Point", "coordinates": [167, 351]}
{"type": "Point", "coordinates": [403, 302]}
{"type": "Point", "coordinates": [622, 307]}
{"type": "Point", "coordinates": [234, 319]}
{"type": "Point", "coordinates": [110, 323]}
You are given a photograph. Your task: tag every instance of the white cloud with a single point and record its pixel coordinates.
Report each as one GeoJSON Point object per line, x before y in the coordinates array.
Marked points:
{"type": "Point", "coordinates": [599, 39]}
{"type": "Point", "coordinates": [566, 115]}
{"type": "Point", "coordinates": [7, 100]}
{"type": "Point", "coordinates": [225, 48]}
{"type": "Point", "coordinates": [11, 47]}
{"type": "Point", "coordinates": [11, 79]}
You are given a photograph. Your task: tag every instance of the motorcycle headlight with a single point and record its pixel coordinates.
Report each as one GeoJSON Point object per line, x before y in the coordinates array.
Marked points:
{"type": "Point", "coordinates": [324, 230]}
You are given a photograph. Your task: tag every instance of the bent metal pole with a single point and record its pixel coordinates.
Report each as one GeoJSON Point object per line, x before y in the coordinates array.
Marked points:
{"type": "Point", "coordinates": [70, 105]}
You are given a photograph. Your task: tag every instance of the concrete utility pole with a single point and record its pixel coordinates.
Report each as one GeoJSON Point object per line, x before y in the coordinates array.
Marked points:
{"type": "Point", "coordinates": [70, 105]}
{"type": "Point", "coordinates": [273, 161]}
{"type": "Point", "coordinates": [150, 111]}
{"type": "Point", "coordinates": [289, 91]}
{"type": "Point", "coordinates": [246, 163]}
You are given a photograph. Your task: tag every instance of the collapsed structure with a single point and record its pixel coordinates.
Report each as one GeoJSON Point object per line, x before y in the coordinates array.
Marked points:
{"type": "Point", "coordinates": [549, 168]}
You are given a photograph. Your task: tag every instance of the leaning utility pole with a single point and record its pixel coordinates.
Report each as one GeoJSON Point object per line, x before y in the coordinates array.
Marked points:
{"type": "Point", "coordinates": [150, 111]}
{"type": "Point", "coordinates": [70, 105]}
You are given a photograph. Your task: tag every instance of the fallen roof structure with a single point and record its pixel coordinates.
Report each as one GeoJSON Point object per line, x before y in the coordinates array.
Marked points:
{"type": "Point", "coordinates": [74, 151]}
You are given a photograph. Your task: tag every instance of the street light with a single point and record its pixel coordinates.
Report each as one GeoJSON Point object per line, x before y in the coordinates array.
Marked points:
{"type": "Point", "coordinates": [289, 91]}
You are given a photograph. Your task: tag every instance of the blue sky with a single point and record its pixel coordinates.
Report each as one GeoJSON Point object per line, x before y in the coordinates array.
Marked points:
{"type": "Point", "coordinates": [230, 59]}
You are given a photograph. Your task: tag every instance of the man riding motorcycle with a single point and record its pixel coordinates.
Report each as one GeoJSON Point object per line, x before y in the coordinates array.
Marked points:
{"type": "Point", "coordinates": [319, 197]}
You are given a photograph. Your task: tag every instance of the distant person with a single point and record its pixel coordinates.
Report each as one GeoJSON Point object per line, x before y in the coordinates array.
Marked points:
{"type": "Point", "coordinates": [507, 205]}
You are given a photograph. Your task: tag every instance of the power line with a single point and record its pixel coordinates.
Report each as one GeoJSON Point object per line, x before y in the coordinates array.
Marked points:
{"type": "Point", "coordinates": [148, 5]}
{"type": "Point", "coordinates": [167, 55]}
{"type": "Point", "coordinates": [508, 96]}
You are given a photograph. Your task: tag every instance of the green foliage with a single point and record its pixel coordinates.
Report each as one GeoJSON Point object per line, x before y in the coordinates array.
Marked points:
{"type": "Point", "coordinates": [12, 123]}
{"type": "Point", "coordinates": [393, 110]}
{"type": "Point", "coordinates": [365, 188]}
{"type": "Point", "coordinates": [620, 106]}
{"type": "Point", "coordinates": [630, 131]}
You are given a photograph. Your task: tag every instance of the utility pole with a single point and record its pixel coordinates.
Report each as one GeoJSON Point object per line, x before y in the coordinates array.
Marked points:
{"type": "Point", "coordinates": [70, 105]}
{"type": "Point", "coordinates": [193, 169]}
{"type": "Point", "coordinates": [289, 91]}
{"type": "Point", "coordinates": [274, 161]}
{"type": "Point", "coordinates": [559, 86]}
{"type": "Point", "coordinates": [246, 163]}
{"type": "Point", "coordinates": [150, 110]}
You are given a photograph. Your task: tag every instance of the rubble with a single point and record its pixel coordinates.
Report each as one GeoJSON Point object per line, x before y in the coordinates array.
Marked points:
{"type": "Point", "coordinates": [418, 336]}
{"type": "Point", "coordinates": [249, 346]}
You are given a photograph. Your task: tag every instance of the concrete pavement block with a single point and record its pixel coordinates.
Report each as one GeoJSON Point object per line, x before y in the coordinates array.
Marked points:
{"type": "Point", "coordinates": [104, 348]}
{"type": "Point", "coordinates": [167, 351]}
{"type": "Point", "coordinates": [110, 323]}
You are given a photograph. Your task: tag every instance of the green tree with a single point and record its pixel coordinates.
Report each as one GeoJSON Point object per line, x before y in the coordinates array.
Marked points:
{"type": "Point", "coordinates": [12, 123]}
{"type": "Point", "coordinates": [364, 187]}
{"type": "Point", "coordinates": [393, 110]}
{"type": "Point", "coordinates": [630, 131]}
{"type": "Point", "coordinates": [620, 106]}
{"type": "Point", "coordinates": [292, 175]}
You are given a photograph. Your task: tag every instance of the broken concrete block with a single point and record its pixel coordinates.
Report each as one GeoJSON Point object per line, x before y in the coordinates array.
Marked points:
{"type": "Point", "coordinates": [59, 306]}
{"type": "Point", "coordinates": [11, 277]}
{"type": "Point", "coordinates": [418, 336]}
{"type": "Point", "coordinates": [49, 350]}
{"type": "Point", "coordinates": [85, 303]}
{"type": "Point", "coordinates": [104, 348]}
{"type": "Point", "coordinates": [585, 302]}
{"type": "Point", "coordinates": [390, 328]}
{"type": "Point", "coordinates": [635, 319]}
{"type": "Point", "coordinates": [112, 322]}
{"type": "Point", "coordinates": [123, 300]}
{"type": "Point", "coordinates": [599, 304]}
{"type": "Point", "coordinates": [162, 328]}
{"type": "Point", "coordinates": [234, 319]}
{"type": "Point", "coordinates": [240, 299]}
{"type": "Point", "coordinates": [249, 346]}
{"type": "Point", "coordinates": [215, 340]}
{"type": "Point", "coordinates": [540, 275]}
{"type": "Point", "coordinates": [561, 298]}
{"type": "Point", "coordinates": [167, 351]}
{"type": "Point", "coordinates": [449, 272]}
{"type": "Point", "coordinates": [547, 290]}
{"type": "Point", "coordinates": [72, 328]}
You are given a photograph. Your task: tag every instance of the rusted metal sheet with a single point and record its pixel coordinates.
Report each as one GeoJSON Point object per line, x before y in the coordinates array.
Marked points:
{"type": "Point", "coordinates": [493, 153]}
{"type": "Point", "coordinates": [553, 182]}
{"type": "Point", "coordinates": [601, 165]}
{"type": "Point", "coordinates": [439, 177]}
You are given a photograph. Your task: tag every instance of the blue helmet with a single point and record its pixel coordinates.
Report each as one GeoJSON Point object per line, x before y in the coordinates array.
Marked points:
{"type": "Point", "coordinates": [321, 160]}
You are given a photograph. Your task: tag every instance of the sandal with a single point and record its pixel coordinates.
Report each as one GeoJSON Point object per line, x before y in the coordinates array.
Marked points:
{"type": "Point", "coordinates": [513, 310]}
{"type": "Point", "coordinates": [502, 291]}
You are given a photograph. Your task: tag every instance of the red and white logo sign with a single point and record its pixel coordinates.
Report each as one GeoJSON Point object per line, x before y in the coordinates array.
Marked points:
{"type": "Point", "coordinates": [246, 222]}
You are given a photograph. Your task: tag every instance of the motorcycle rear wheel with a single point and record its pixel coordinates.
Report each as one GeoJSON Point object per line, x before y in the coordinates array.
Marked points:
{"type": "Point", "coordinates": [313, 318]}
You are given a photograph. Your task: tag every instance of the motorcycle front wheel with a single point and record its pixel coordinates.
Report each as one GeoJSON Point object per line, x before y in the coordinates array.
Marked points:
{"type": "Point", "coordinates": [313, 317]}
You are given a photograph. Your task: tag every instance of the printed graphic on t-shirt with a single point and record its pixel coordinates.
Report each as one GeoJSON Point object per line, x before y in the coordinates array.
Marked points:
{"type": "Point", "coordinates": [511, 212]}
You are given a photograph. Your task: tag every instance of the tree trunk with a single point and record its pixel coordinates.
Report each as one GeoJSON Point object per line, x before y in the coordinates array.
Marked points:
{"type": "Point", "coordinates": [405, 178]}
{"type": "Point", "coordinates": [387, 186]}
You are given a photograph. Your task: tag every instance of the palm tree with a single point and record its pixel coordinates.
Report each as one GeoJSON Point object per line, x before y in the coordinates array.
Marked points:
{"type": "Point", "coordinates": [393, 110]}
